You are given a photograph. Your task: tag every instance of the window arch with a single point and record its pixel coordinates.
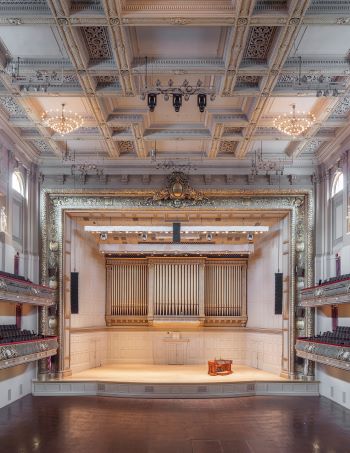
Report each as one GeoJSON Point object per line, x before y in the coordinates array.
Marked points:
{"type": "Point", "coordinates": [338, 183]}
{"type": "Point", "coordinates": [18, 183]}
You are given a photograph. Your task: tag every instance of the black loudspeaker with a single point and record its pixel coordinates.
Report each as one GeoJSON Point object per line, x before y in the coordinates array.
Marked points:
{"type": "Point", "coordinates": [74, 293]}
{"type": "Point", "coordinates": [278, 293]}
{"type": "Point", "coordinates": [176, 233]}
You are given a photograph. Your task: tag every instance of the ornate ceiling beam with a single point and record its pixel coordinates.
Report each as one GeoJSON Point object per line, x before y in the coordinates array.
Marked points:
{"type": "Point", "coordinates": [322, 112]}
{"type": "Point", "coordinates": [216, 140]}
{"type": "Point", "coordinates": [326, 151]}
{"type": "Point", "coordinates": [160, 13]}
{"type": "Point", "coordinates": [278, 55]}
{"type": "Point", "coordinates": [80, 58]}
{"type": "Point", "coordinates": [330, 106]}
{"type": "Point", "coordinates": [236, 44]}
{"type": "Point", "coordinates": [137, 132]}
{"type": "Point", "coordinates": [29, 110]}
{"type": "Point", "coordinates": [120, 44]}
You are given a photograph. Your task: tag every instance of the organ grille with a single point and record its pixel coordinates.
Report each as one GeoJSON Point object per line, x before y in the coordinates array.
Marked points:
{"type": "Point", "coordinates": [224, 288]}
{"type": "Point", "coordinates": [155, 288]}
{"type": "Point", "coordinates": [127, 283]}
{"type": "Point", "coordinates": [176, 289]}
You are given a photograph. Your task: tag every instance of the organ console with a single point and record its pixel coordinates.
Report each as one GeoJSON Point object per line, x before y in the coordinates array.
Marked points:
{"type": "Point", "coordinates": [150, 290]}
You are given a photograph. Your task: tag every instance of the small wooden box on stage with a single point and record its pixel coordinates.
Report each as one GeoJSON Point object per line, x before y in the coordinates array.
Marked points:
{"type": "Point", "coordinates": [221, 367]}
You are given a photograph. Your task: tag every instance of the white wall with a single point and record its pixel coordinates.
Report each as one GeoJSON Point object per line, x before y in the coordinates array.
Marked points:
{"type": "Point", "coordinates": [16, 382]}
{"type": "Point", "coordinates": [19, 237]}
{"type": "Point", "coordinates": [90, 264]}
{"type": "Point", "coordinates": [334, 383]}
{"type": "Point", "coordinates": [262, 266]}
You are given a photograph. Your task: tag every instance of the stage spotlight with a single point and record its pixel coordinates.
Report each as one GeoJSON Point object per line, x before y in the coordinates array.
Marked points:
{"type": "Point", "coordinates": [177, 102]}
{"type": "Point", "coordinates": [144, 236]}
{"type": "Point", "coordinates": [151, 101]}
{"type": "Point", "coordinates": [202, 102]}
{"type": "Point", "coordinates": [250, 236]}
{"type": "Point", "coordinates": [209, 237]}
{"type": "Point", "coordinates": [103, 236]}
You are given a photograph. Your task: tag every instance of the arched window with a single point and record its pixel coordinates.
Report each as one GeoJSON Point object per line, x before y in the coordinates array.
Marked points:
{"type": "Point", "coordinates": [338, 183]}
{"type": "Point", "coordinates": [17, 183]}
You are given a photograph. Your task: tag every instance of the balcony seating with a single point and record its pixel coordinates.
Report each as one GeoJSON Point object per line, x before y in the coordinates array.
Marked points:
{"type": "Point", "coordinates": [335, 279]}
{"type": "Point", "coordinates": [339, 337]}
{"type": "Point", "coordinates": [9, 333]}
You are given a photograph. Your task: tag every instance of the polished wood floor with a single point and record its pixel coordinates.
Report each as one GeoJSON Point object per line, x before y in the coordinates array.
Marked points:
{"type": "Point", "coordinates": [237, 425]}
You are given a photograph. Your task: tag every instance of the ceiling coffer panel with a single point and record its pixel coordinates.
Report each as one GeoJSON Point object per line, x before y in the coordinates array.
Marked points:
{"type": "Point", "coordinates": [259, 43]}
{"type": "Point", "coordinates": [97, 43]}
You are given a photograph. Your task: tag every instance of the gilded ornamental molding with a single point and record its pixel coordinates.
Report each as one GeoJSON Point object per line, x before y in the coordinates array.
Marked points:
{"type": "Point", "coordinates": [297, 203]}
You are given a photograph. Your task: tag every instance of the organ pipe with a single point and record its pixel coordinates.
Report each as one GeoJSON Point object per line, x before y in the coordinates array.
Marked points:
{"type": "Point", "coordinates": [176, 287]}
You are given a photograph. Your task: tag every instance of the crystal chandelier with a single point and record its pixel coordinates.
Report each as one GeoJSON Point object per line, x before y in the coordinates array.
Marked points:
{"type": "Point", "coordinates": [294, 123]}
{"type": "Point", "coordinates": [61, 121]}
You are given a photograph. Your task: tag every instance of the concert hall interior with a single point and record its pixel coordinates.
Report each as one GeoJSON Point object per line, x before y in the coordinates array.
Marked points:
{"type": "Point", "coordinates": [174, 225]}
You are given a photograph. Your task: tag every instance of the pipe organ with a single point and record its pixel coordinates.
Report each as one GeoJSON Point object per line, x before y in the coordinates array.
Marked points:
{"type": "Point", "coordinates": [206, 291]}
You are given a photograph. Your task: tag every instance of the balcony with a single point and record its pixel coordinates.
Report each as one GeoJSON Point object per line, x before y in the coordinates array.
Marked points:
{"type": "Point", "coordinates": [334, 355]}
{"type": "Point", "coordinates": [21, 291]}
{"type": "Point", "coordinates": [330, 293]}
{"type": "Point", "coordinates": [17, 353]}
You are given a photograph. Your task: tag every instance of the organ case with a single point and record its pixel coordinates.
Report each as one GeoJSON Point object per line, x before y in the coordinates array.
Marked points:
{"type": "Point", "coordinates": [172, 289]}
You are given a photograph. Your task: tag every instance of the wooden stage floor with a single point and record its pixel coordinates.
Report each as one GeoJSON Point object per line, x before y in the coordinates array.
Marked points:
{"type": "Point", "coordinates": [172, 381]}
{"type": "Point", "coordinates": [170, 374]}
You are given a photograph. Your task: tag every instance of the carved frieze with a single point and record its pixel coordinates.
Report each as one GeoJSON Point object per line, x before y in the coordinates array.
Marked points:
{"type": "Point", "coordinates": [97, 43]}
{"type": "Point", "coordinates": [126, 147]}
{"type": "Point", "coordinates": [42, 146]}
{"type": "Point", "coordinates": [248, 81]}
{"type": "Point", "coordinates": [259, 42]}
{"type": "Point", "coordinates": [227, 147]}
{"type": "Point", "coordinates": [177, 193]}
{"type": "Point", "coordinates": [342, 108]}
{"type": "Point", "coordinates": [12, 107]}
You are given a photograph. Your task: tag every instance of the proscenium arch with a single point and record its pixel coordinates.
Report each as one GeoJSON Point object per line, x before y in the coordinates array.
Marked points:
{"type": "Point", "coordinates": [55, 204]}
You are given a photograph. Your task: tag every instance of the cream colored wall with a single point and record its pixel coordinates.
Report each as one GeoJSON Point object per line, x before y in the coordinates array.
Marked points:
{"type": "Point", "coordinates": [258, 349]}
{"type": "Point", "coordinates": [264, 351]}
{"type": "Point", "coordinates": [88, 350]}
{"type": "Point", "coordinates": [86, 260]}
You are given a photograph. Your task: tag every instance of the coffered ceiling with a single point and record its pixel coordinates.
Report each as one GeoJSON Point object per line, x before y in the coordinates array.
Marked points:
{"type": "Point", "coordinates": [247, 50]}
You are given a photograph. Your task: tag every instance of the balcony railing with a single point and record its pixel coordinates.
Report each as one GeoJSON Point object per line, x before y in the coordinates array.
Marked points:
{"type": "Point", "coordinates": [21, 291]}
{"type": "Point", "coordinates": [12, 354]}
{"type": "Point", "coordinates": [328, 354]}
{"type": "Point", "coordinates": [332, 293]}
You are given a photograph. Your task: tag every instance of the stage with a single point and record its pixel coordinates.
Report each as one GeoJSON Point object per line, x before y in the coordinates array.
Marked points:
{"type": "Point", "coordinates": [170, 374]}
{"type": "Point", "coordinates": [172, 381]}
